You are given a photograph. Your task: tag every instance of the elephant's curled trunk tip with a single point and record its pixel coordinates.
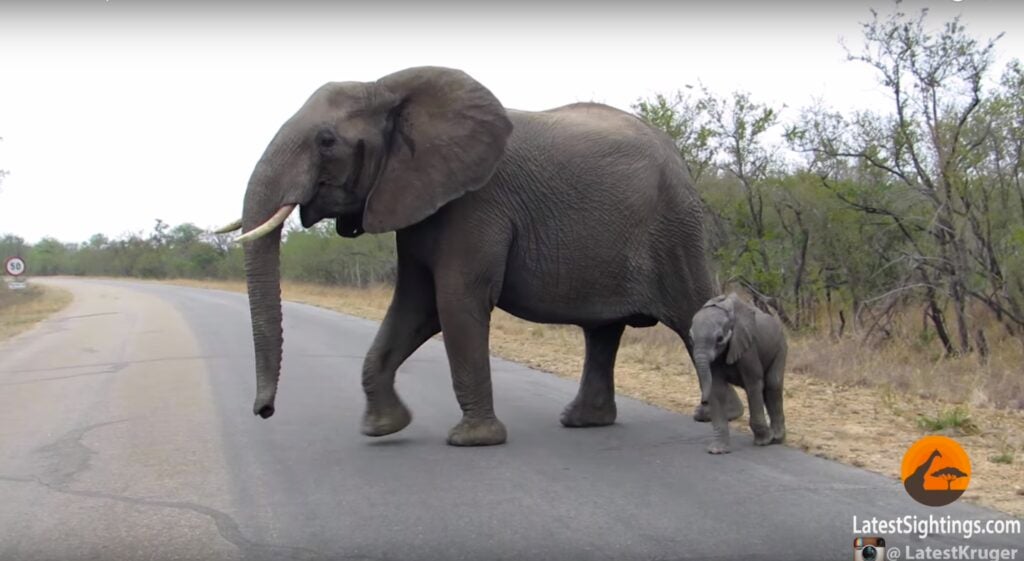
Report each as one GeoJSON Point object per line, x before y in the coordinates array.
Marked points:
{"type": "Point", "coordinates": [263, 406]}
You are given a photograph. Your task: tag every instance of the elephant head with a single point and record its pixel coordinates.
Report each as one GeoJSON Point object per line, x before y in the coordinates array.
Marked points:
{"type": "Point", "coordinates": [724, 325]}
{"type": "Point", "coordinates": [375, 156]}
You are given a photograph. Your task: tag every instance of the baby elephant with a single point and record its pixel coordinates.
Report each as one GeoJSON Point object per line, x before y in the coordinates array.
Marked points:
{"type": "Point", "coordinates": [734, 343]}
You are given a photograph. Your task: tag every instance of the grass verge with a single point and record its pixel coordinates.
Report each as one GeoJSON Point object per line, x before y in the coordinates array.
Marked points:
{"type": "Point", "coordinates": [20, 310]}
{"type": "Point", "coordinates": [856, 415]}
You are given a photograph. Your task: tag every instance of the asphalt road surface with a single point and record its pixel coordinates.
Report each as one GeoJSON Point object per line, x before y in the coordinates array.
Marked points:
{"type": "Point", "coordinates": [126, 432]}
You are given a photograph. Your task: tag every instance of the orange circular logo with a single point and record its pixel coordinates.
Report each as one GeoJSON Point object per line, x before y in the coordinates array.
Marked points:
{"type": "Point", "coordinates": [936, 471]}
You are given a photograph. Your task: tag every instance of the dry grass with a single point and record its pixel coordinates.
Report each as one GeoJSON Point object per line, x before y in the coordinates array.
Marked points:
{"type": "Point", "coordinates": [22, 309]}
{"type": "Point", "coordinates": [910, 366]}
{"type": "Point", "coordinates": [842, 403]}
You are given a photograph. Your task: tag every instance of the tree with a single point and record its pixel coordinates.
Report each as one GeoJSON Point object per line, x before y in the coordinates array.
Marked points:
{"type": "Point", "coordinates": [49, 257]}
{"type": "Point", "coordinates": [724, 141]}
{"type": "Point", "coordinates": [739, 128]}
{"type": "Point", "coordinates": [682, 118]}
{"type": "Point", "coordinates": [995, 181]}
{"type": "Point", "coordinates": [184, 235]}
{"type": "Point", "coordinates": [913, 165]}
{"type": "Point", "coordinates": [12, 246]}
{"type": "Point", "coordinates": [950, 474]}
{"type": "Point", "coordinates": [160, 237]}
{"type": "Point", "coordinates": [97, 242]}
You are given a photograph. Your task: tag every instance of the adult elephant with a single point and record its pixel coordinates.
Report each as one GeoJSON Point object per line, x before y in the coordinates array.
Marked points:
{"type": "Point", "coordinates": [579, 215]}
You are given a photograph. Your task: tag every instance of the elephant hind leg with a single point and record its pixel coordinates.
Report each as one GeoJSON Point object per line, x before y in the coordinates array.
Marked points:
{"type": "Point", "coordinates": [594, 404]}
{"type": "Point", "coordinates": [755, 399]}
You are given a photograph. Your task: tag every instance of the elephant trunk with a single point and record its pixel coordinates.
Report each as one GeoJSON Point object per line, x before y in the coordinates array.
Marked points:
{"type": "Point", "coordinates": [263, 281]}
{"type": "Point", "coordinates": [702, 363]}
{"type": "Point", "coordinates": [276, 186]}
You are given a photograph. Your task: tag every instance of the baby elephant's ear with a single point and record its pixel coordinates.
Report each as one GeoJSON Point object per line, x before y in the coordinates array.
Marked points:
{"type": "Point", "coordinates": [714, 301]}
{"type": "Point", "coordinates": [742, 331]}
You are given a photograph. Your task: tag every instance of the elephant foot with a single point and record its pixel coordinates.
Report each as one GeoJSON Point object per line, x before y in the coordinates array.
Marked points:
{"type": "Point", "coordinates": [477, 432]}
{"type": "Point", "coordinates": [718, 448]}
{"type": "Point", "coordinates": [778, 436]}
{"type": "Point", "coordinates": [702, 413]}
{"type": "Point", "coordinates": [581, 414]}
{"type": "Point", "coordinates": [379, 421]}
{"type": "Point", "coordinates": [763, 437]}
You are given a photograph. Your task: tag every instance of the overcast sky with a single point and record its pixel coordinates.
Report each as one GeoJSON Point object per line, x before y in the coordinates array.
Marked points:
{"type": "Point", "coordinates": [116, 113]}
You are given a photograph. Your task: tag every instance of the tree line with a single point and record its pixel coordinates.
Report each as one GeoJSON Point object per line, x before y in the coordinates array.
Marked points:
{"type": "Point", "coordinates": [832, 220]}
{"type": "Point", "coordinates": [187, 251]}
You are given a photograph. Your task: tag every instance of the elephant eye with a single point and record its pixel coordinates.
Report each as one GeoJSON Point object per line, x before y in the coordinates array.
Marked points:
{"type": "Point", "coordinates": [325, 139]}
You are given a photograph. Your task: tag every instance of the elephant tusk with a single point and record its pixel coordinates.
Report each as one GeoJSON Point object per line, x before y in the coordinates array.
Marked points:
{"type": "Point", "coordinates": [258, 232]}
{"type": "Point", "coordinates": [229, 228]}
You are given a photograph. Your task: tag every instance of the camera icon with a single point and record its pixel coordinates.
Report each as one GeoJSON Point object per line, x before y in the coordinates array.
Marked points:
{"type": "Point", "coordinates": [868, 549]}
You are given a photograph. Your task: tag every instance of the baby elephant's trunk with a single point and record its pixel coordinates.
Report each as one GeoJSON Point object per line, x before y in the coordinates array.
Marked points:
{"type": "Point", "coordinates": [703, 365]}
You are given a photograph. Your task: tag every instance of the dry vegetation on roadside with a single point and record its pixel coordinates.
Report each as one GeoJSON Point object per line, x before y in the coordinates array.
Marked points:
{"type": "Point", "coordinates": [22, 309]}
{"type": "Point", "coordinates": [843, 403]}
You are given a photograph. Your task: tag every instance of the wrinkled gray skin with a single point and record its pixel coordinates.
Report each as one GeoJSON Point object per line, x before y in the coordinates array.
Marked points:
{"type": "Point", "coordinates": [579, 215]}
{"type": "Point", "coordinates": [735, 343]}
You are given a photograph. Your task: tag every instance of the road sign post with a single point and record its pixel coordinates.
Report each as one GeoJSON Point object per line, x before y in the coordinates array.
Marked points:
{"type": "Point", "coordinates": [15, 268]}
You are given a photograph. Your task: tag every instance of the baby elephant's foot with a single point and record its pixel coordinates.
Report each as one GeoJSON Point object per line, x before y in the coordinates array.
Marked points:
{"type": "Point", "coordinates": [702, 414]}
{"type": "Point", "coordinates": [718, 447]}
{"type": "Point", "coordinates": [762, 437]}
{"type": "Point", "coordinates": [582, 414]}
{"type": "Point", "coordinates": [778, 435]}
{"type": "Point", "coordinates": [477, 432]}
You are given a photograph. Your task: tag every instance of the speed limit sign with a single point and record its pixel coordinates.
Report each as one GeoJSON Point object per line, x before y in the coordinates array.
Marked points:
{"type": "Point", "coordinates": [15, 266]}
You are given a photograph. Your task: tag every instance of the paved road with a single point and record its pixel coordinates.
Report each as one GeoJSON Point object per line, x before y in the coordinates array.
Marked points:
{"type": "Point", "coordinates": [126, 433]}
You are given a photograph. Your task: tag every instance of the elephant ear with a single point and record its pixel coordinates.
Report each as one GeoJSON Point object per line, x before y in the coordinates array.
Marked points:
{"type": "Point", "coordinates": [742, 329]}
{"type": "Point", "coordinates": [714, 302]}
{"type": "Point", "coordinates": [447, 135]}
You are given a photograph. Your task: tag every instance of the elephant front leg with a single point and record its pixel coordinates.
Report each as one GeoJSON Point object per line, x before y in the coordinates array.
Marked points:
{"type": "Point", "coordinates": [594, 404]}
{"type": "Point", "coordinates": [720, 390]}
{"type": "Point", "coordinates": [465, 322]}
{"type": "Point", "coordinates": [410, 321]}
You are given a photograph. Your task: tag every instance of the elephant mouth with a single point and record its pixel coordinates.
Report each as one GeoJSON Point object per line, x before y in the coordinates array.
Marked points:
{"type": "Point", "coordinates": [348, 224]}
{"type": "Point", "coordinates": [328, 202]}
{"type": "Point", "coordinates": [309, 215]}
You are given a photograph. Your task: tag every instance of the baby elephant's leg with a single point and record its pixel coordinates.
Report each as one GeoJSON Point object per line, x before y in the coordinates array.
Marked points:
{"type": "Point", "coordinates": [719, 416]}
{"type": "Point", "coordinates": [758, 424]}
{"type": "Point", "coordinates": [773, 398]}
